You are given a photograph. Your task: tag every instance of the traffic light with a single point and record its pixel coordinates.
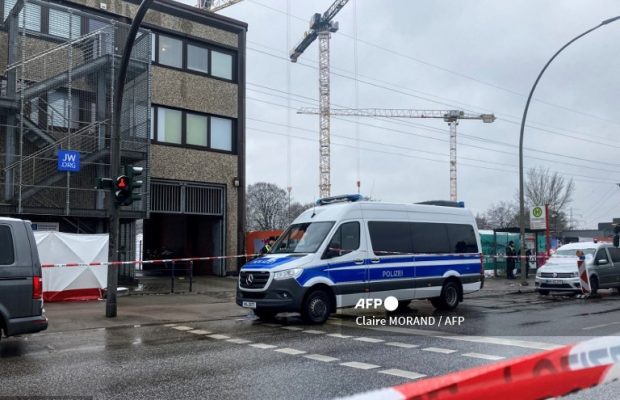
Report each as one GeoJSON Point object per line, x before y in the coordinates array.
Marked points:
{"type": "Point", "coordinates": [122, 191]}
{"type": "Point", "coordinates": [134, 185]}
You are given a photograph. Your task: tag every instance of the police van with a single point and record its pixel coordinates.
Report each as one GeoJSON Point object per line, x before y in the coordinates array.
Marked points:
{"type": "Point", "coordinates": [346, 249]}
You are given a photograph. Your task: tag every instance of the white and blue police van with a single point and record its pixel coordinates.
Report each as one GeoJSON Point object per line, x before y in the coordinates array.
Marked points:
{"type": "Point", "coordinates": [346, 249]}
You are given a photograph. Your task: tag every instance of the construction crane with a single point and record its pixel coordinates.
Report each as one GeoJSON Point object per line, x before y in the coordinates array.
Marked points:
{"type": "Point", "coordinates": [215, 5]}
{"type": "Point", "coordinates": [322, 26]}
{"type": "Point", "coordinates": [452, 117]}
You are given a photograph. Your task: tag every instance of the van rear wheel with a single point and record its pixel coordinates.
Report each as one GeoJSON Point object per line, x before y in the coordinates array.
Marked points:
{"type": "Point", "coordinates": [449, 298]}
{"type": "Point", "coordinates": [317, 307]}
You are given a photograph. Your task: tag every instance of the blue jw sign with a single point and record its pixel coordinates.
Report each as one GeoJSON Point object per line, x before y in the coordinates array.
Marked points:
{"type": "Point", "coordinates": [68, 160]}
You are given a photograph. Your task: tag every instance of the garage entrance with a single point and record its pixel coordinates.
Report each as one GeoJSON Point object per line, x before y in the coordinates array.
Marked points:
{"type": "Point", "coordinates": [186, 220]}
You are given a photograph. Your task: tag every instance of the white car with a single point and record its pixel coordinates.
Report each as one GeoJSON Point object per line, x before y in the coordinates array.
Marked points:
{"type": "Point", "coordinates": [560, 272]}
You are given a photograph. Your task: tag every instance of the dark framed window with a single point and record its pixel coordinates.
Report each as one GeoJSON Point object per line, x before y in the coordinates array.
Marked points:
{"type": "Point", "coordinates": [462, 238]}
{"type": "Point", "coordinates": [63, 24]}
{"type": "Point", "coordinates": [345, 240]}
{"type": "Point", "coordinates": [193, 56]}
{"type": "Point", "coordinates": [390, 238]}
{"type": "Point", "coordinates": [430, 238]}
{"type": "Point", "coordinates": [192, 129]}
{"type": "Point", "coordinates": [7, 250]}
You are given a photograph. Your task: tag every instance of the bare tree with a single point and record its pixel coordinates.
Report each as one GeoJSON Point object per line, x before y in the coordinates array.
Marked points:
{"type": "Point", "coordinates": [481, 222]}
{"type": "Point", "coordinates": [543, 187]}
{"type": "Point", "coordinates": [296, 209]}
{"type": "Point", "coordinates": [266, 207]}
{"type": "Point", "coordinates": [502, 215]}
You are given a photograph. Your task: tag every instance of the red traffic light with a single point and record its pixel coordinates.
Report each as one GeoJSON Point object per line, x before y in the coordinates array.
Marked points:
{"type": "Point", "coordinates": [121, 182]}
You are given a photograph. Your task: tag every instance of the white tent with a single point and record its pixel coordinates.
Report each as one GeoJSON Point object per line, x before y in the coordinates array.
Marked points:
{"type": "Point", "coordinates": [72, 283]}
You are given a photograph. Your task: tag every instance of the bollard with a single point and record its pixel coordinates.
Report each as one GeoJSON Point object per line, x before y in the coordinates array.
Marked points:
{"type": "Point", "coordinates": [191, 274]}
{"type": "Point", "coordinates": [172, 278]}
{"type": "Point", "coordinates": [584, 278]}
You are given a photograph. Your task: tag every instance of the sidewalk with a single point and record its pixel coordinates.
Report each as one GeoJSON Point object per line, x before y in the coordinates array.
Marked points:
{"type": "Point", "coordinates": [212, 298]}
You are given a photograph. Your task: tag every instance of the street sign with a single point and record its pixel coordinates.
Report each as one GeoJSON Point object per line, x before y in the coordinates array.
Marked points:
{"type": "Point", "coordinates": [68, 160]}
{"type": "Point", "coordinates": [538, 218]}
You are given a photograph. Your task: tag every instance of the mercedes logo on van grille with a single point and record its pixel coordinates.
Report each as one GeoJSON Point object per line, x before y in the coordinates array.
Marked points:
{"type": "Point", "coordinates": [555, 274]}
{"type": "Point", "coordinates": [249, 280]}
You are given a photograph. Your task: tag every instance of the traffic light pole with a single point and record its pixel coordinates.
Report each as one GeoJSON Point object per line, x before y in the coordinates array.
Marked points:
{"type": "Point", "coordinates": [115, 158]}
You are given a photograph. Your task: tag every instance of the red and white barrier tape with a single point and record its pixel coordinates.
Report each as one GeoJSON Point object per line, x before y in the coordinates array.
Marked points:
{"type": "Point", "coordinates": [162, 261]}
{"type": "Point", "coordinates": [538, 376]}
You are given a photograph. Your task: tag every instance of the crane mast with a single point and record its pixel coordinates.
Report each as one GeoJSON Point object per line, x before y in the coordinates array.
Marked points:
{"type": "Point", "coordinates": [321, 26]}
{"type": "Point", "coordinates": [452, 117]}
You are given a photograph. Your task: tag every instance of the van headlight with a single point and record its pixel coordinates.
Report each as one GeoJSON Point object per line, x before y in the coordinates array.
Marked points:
{"type": "Point", "coordinates": [538, 273]}
{"type": "Point", "coordinates": [288, 274]}
{"type": "Point", "coordinates": [575, 275]}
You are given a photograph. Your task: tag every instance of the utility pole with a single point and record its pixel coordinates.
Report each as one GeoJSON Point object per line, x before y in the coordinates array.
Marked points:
{"type": "Point", "coordinates": [321, 26]}
{"type": "Point", "coordinates": [452, 117]}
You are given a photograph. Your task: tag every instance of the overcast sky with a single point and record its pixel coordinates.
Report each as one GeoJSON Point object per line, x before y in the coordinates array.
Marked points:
{"type": "Point", "coordinates": [473, 55]}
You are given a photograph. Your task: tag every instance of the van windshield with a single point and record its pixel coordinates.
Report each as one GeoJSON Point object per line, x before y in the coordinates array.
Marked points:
{"type": "Point", "coordinates": [571, 252]}
{"type": "Point", "coordinates": [302, 238]}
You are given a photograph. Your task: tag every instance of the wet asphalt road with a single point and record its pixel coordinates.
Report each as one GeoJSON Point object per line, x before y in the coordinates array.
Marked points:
{"type": "Point", "coordinates": [243, 358]}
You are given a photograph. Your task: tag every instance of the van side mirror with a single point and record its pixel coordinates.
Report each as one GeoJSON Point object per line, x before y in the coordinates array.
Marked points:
{"type": "Point", "coordinates": [602, 261]}
{"type": "Point", "coordinates": [331, 252]}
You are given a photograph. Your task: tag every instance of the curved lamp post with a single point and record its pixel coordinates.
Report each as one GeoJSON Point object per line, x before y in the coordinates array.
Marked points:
{"type": "Point", "coordinates": [527, 105]}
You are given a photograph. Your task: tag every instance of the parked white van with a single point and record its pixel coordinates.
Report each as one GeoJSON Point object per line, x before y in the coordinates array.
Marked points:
{"type": "Point", "coordinates": [560, 273]}
{"type": "Point", "coordinates": [346, 249]}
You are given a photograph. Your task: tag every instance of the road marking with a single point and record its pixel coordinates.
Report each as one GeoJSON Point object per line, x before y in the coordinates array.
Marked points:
{"type": "Point", "coordinates": [454, 336]}
{"type": "Point", "coordinates": [314, 332]}
{"type": "Point", "coordinates": [199, 332]}
{"type": "Point", "coordinates": [339, 335]}
{"type": "Point", "coordinates": [182, 328]}
{"type": "Point", "coordinates": [292, 328]}
{"type": "Point", "coordinates": [320, 357]}
{"type": "Point", "coordinates": [402, 374]}
{"type": "Point", "coordinates": [403, 345]}
{"type": "Point", "coordinates": [600, 326]}
{"type": "Point", "coordinates": [483, 356]}
{"type": "Point", "coordinates": [439, 350]}
{"type": "Point", "coordinates": [239, 341]}
{"type": "Point", "coordinates": [263, 346]}
{"type": "Point", "coordinates": [369, 340]}
{"type": "Point", "coordinates": [219, 337]}
{"type": "Point", "coordinates": [360, 365]}
{"type": "Point", "coordinates": [288, 350]}
{"type": "Point", "coordinates": [170, 325]}
{"type": "Point", "coordinates": [272, 325]}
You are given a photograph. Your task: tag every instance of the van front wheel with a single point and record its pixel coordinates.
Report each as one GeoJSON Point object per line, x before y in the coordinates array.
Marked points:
{"type": "Point", "coordinates": [449, 298]}
{"type": "Point", "coordinates": [317, 307]}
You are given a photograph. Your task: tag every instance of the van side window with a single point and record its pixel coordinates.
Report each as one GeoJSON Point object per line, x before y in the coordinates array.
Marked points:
{"type": "Point", "coordinates": [430, 238]}
{"type": "Point", "coordinates": [345, 240]}
{"type": "Point", "coordinates": [7, 255]}
{"type": "Point", "coordinates": [614, 252]}
{"type": "Point", "coordinates": [601, 255]}
{"type": "Point", "coordinates": [389, 238]}
{"type": "Point", "coordinates": [462, 238]}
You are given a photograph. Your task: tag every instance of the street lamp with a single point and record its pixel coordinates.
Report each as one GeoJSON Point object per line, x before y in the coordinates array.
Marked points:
{"type": "Point", "coordinates": [527, 105]}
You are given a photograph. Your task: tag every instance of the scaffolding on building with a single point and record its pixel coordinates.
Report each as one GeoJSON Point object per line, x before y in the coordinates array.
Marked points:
{"type": "Point", "coordinates": [57, 94]}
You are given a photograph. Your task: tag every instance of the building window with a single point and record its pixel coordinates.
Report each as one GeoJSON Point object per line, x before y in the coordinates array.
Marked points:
{"type": "Point", "coordinates": [170, 51]}
{"type": "Point", "coordinates": [197, 58]}
{"type": "Point", "coordinates": [169, 125]}
{"type": "Point", "coordinates": [221, 65]}
{"type": "Point", "coordinates": [197, 131]}
{"type": "Point", "coordinates": [33, 15]}
{"type": "Point", "coordinates": [64, 25]}
{"type": "Point", "coordinates": [221, 134]}
{"type": "Point", "coordinates": [192, 129]}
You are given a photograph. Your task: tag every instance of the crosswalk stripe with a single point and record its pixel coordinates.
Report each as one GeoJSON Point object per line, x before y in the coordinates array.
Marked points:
{"type": "Point", "coordinates": [403, 345]}
{"type": "Point", "coordinates": [439, 350]}
{"type": "Point", "coordinates": [263, 346]}
{"type": "Point", "coordinates": [219, 337]}
{"type": "Point", "coordinates": [288, 350]}
{"type": "Point", "coordinates": [199, 332]}
{"type": "Point", "coordinates": [402, 374]}
{"type": "Point", "coordinates": [182, 328]}
{"type": "Point", "coordinates": [170, 325]}
{"type": "Point", "coordinates": [369, 340]}
{"type": "Point", "coordinates": [292, 328]}
{"type": "Point", "coordinates": [320, 357]}
{"type": "Point", "coordinates": [314, 332]}
{"type": "Point", "coordinates": [339, 335]}
{"type": "Point", "coordinates": [359, 365]}
{"type": "Point", "coordinates": [483, 356]}
{"type": "Point", "coordinates": [239, 341]}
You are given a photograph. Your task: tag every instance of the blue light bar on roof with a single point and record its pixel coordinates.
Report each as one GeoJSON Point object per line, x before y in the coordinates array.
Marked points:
{"type": "Point", "coordinates": [339, 199]}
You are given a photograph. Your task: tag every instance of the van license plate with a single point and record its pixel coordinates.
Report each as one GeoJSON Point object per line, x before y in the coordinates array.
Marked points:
{"type": "Point", "coordinates": [249, 304]}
